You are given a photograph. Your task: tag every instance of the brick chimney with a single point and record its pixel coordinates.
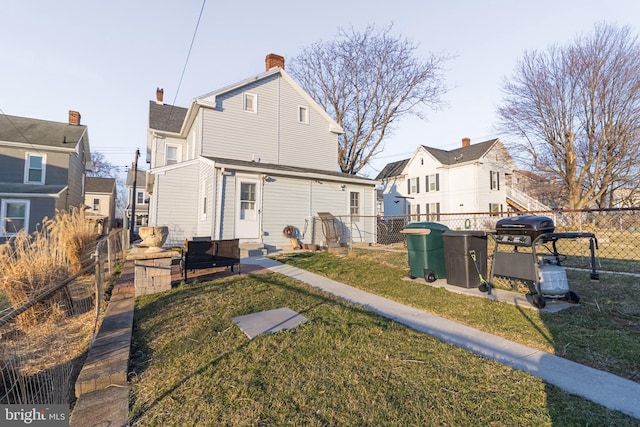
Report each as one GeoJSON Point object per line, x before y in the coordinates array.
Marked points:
{"type": "Point", "coordinates": [74, 118]}
{"type": "Point", "coordinates": [466, 142]}
{"type": "Point", "coordinates": [159, 96]}
{"type": "Point", "coordinates": [274, 60]}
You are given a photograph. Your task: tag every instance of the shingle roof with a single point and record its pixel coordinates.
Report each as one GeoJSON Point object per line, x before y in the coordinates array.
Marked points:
{"type": "Point", "coordinates": [99, 185]}
{"type": "Point", "coordinates": [141, 178]}
{"type": "Point", "coordinates": [19, 188]}
{"type": "Point", "coordinates": [40, 132]}
{"type": "Point", "coordinates": [459, 155]}
{"type": "Point", "coordinates": [462, 154]}
{"type": "Point", "coordinates": [285, 168]}
{"type": "Point", "coordinates": [167, 118]}
{"type": "Point", "coordinates": [392, 169]}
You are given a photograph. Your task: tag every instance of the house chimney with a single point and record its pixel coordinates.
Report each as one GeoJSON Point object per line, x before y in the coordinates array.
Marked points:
{"type": "Point", "coordinates": [74, 118]}
{"type": "Point", "coordinates": [274, 60]}
{"type": "Point", "coordinates": [159, 96]}
{"type": "Point", "coordinates": [466, 142]}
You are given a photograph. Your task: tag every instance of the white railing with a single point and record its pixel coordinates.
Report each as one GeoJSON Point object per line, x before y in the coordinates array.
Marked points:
{"type": "Point", "coordinates": [527, 202]}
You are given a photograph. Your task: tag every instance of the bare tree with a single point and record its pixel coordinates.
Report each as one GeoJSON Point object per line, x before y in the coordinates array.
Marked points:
{"type": "Point", "coordinates": [102, 168]}
{"type": "Point", "coordinates": [575, 111]}
{"type": "Point", "coordinates": [367, 81]}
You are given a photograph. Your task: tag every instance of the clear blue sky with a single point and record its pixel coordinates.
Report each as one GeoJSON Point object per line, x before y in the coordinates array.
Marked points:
{"type": "Point", "coordinates": [106, 58]}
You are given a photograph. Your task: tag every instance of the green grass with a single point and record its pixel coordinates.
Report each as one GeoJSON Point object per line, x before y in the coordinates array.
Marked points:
{"type": "Point", "coordinates": [603, 331]}
{"type": "Point", "coordinates": [345, 366]}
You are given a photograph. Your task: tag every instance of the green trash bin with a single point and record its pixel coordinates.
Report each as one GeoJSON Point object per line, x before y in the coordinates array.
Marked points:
{"type": "Point", "coordinates": [425, 249]}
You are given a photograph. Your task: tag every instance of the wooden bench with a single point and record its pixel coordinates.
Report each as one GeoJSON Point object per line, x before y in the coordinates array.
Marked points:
{"type": "Point", "coordinates": [200, 254]}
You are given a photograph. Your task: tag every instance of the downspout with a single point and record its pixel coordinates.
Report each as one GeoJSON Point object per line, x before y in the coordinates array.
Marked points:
{"type": "Point", "coordinates": [218, 210]}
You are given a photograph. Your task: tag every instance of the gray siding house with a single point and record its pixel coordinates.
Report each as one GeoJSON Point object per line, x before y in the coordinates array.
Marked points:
{"type": "Point", "coordinates": [250, 159]}
{"type": "Point", "coordinates": [42, 169]}
{"type": "Point", "coordinates": [138, 202]}
{"type": "Point", "coordinates": [100, 202]}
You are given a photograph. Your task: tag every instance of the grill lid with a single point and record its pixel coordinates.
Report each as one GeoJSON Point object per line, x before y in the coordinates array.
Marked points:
{"type": "Point", "coordinates": [532, 225]}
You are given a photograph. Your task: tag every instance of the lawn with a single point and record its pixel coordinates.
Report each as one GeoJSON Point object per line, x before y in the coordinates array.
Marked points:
{"type": "Point", "coordinates": [345, 366]}
{"type": "Point", "coordinates": [603, 331]}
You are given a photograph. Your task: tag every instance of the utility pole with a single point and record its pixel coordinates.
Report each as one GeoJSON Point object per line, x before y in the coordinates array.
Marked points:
{"type": "Point", "coordinates": [134, 168]}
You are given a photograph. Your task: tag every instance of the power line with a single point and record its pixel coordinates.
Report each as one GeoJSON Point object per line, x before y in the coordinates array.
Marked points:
{"type": "Point", "coordinates": [184, 69]}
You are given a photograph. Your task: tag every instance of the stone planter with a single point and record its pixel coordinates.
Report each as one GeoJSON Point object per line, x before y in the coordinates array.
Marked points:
{"type": "Point", "coordinates": [153, 238]}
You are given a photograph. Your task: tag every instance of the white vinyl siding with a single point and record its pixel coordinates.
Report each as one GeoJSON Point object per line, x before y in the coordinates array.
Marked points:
{"type": "Point", "coordinates": [285, 202]}
{"type": "Point", "coordinates": [254, 136]}
{"type": "Point", "coordinates": [175, 207]}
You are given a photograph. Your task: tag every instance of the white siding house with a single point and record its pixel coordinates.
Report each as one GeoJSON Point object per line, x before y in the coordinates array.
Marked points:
{"type": "Point", "coordinates": [469, 179]}
{"type": "Point", "coordinates": [250, 159]}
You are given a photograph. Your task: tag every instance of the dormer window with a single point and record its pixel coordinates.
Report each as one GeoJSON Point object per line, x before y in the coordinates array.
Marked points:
{"type": "Point", "coordinates": [34, 170]}
{"type": "Point", "coordinates": [250, 102]}
{"type": "Point", "coordinates": [303, 114]}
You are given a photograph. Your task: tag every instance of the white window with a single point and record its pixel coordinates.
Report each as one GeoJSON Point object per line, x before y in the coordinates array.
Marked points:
{"type": "Point", "coordinates": [34, 168]}
{"type": "Point", "coordinates": [415, 212]}
{"type": "Point", "coordinates": [413, 185]}
{"type": "Point", "coordinates": [495, 208]}
{"type": "Point", "coordinates": [140, 198]}
{"type": "Point", "coordinates": [172, 154]}
{"type": "Point", "coordinates": [303, 114]}
{"type": "Point", "coordinates": [96, 204]}
{"type": "Point", "coordinates": [433, 211]}
{"type": "Point", "coordinates": [433, 182]}
{"type": "Point", "coordinates": [354, 205]}
{"type": "Point", "coordinates": [250, 102]}
{"type": "Point", "coordinates": [495, 180]}
{"type": "Point", "coordinates": [14, 216]}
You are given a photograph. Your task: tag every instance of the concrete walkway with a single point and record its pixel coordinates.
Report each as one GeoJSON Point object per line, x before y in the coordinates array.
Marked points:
{"type": "Point", "coordinates": [601, 387]}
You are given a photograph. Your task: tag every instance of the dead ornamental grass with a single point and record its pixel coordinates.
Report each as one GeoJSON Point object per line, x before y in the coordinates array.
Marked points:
{"type": "Point", "coordinates": [30, 264]}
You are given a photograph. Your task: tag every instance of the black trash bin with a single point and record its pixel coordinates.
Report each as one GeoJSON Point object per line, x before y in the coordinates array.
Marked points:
{"type": "Point", "coordinates": [459, 267]}
{"type": "Point", "coordinates": [425, 250]}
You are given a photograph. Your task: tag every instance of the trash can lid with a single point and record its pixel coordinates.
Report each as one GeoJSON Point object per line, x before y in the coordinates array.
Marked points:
{"type": "Point", "coordinates": [472, 233]}
{"type": "Point", "coordinates": [423, 228]}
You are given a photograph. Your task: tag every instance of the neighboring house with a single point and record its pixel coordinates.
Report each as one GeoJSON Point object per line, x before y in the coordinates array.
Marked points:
{"type": "Point", "coordinates": [42, 169]}
{"type": "Point", "coordinates": [140, 199]}
{"type": "Point", "coordinates": [100, 202]}
{"type": "Point", "coordinates": [468, 179]}
{"type": "Point", "coordinates": [250, 159]}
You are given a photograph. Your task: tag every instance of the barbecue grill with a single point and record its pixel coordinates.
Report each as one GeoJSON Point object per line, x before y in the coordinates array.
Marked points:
{"type": "Point", "coordinates": [517, 257]}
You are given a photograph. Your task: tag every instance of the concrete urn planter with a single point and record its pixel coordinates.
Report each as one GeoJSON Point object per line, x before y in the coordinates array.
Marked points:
{"type": "Point", "coordinates": [153, 238]}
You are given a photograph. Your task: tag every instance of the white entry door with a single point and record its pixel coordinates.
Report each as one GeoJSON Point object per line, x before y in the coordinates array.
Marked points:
{"type": "Point", "coordinates": [248, 208]}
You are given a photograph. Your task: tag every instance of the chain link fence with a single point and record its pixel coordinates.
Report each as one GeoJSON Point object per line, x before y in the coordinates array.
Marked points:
{"type": "Point", "coordinates": [45, 337]}
{"type": "Point", "coordinates": [617, 232]}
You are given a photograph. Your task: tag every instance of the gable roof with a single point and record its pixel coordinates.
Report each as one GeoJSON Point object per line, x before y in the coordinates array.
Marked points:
{"type": "Point", "coordinates": [165, 117]}
{"type": "Point", "coordinates": [463, 154]}
{"type": "Point", "coordinates": [23, 130]}
{"type": "Point", "coordinates": [333, 126]}
{"type": "Point", "coordinates": [141, 178]}
{"type": "Point", "coordinates": [392, 169]}
{"type": "Point", "coordinates": [99, 185]}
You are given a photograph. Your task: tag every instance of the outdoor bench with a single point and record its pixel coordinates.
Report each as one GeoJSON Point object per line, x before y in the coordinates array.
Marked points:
{"type": "Point", "coordinates": [200, 254]}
